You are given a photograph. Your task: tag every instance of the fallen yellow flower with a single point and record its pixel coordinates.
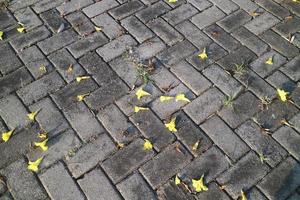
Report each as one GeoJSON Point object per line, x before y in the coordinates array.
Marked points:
{"type": "Point", "coordinates": [282, 94]}
{"type": "Point", "coordinates": [177, 180]}
{"type": "Point", "coordinates": [270, 61]}
{"type": "Point", "coordinates": [140, 93]}
{"type": "Point", "coordinates": [181, 97]}
{"type": "Point", "coordinates": [82, 96]}
{"type": "Point", "coordinates": [203, 55]}
{"type": "Point", "coordinates": [243, 196]}
{"type": "Point", "coordinates": [43, 68]}
{"type": "Point", "coordinates": [31, 116]}
{"type": "Point", "coordinates": [165, 98]}
{"type": "Point", "coordinates": [80, 78]}
{"type": "Point", "coordinates": [196, 145]}
{"type": "Point", "coordinates": [6, 136]}
{"type": "Point", "coordinates": [173, 1]}
{"type": "Point", "coordinates": [172, 125]}
{"type": "Point", "coordinates": [1, 35]}
{"type": "Point", "coordinates": [138, 109]}
{"type": "Point", "coordinates": [42, 135]}
{"type": "Point", "coordinates": [42, 145]}
{"type": "Point", "coordinates": [34, 165]}
{"type": "Point", "coordinates": [199, 184]}
{"type": "Point", "coordinates": [21, 29]}
{"type": "Point", "coordinates": [147, 145]}
{"type": "Point", "coordinates": [98, 29]}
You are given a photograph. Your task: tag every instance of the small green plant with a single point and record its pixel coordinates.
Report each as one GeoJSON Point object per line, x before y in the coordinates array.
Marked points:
{"type": "Point", "coordinates": [229, 101]}
{"type": "Point", "coordinates": [143, 73]}
{"type": "Point", "coordinates": [239, 68]}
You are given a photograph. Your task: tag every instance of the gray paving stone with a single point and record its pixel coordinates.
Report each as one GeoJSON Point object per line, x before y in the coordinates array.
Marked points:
{"type": "Point", "coordinates": [295, 196]}
{"type": "Point", "coordinates": [71, 6]}
{"type": "Point", "coordinates": [226, 6]}
{"type": "Point", "coordinates": [243, 108]}
{"type": "Point", "coordinates": [193, 34]}
{"type": "Point", "coordinates": [262, 23]}
{"type": "Point", "coordinates": [135, 188]}
{"type": "Point", "coordinates": [99, 7]}
{"type": "Point", "coordinates": [55, 180]}
{"type": "Point", "coordinates": [295, 8]}
{"type": "Point", "coordinates": [14, 81]}
{"type": "Point", "coordinates": [108, 25]}
{"type": "Point", "coordinates": [291, 69]}
{"type": "Point", "coordinates": [214, 192]}
{"type": "Point", "coordinates": [295, 96]}
{"type": "Point", "coordinates": [207, 17]}
{"type": "Point", "coordinates": [89, 43]}
{"type": "Point", "coordinates": [172, 191]}
{"type": "Point", "coordinates": [118, 126]}
{"type": "Point", "coordinates": [136, 28]}
{"type": "Point", "coordinates": [165, 31]}
{"type": "Point", "coordinates": [81, 23]}
{"type": "Point", "coordinates": [8, 60]}
{"type": "Point", "coordinates": [175, 4]}
{"type": "Point", "coordinates": [89, 155]}
{"type": "Point", "coordinates": [62, 60]}
{"type": "Point", "coordinates": [90, 185]}
{"type": "Point", "coordinates": [150, 48]}
{"type": "Point", "coordinates": [153, 11]}
{"type": "Point", "coordinates": [234, 20]}
{"type": "Point", "coordinates": [289, 139]}
{"type": "Point", "coordinates": [225, 138]}
{"type": "Point", "coordinates": [49, 117]}
{"type": "Point", "coordinates": [44, 5]}
{"type": "Point", "coordinates": [16, 5]}
{"type": "Point", "coordinates": [281, 181]}
{"type": "Point", "coordinates": [205, 105]}
{"type": "Point", "coordinates": [190, 77]}
{"type": "Point", "coordinates": [53, 20]}
{"type": "Point", "coordinates": [40, 88]}
{"type": "Point", "coordinates": [57, 41]}
{"type": "Point", "coordinates": [200, 5]}
{"type": "Point", "coordinates": [180, 14]}
{"type": "Point", "coordinates": [288, 27]}
{"type": "Point", "coordinates": [165, 165]}
{"type": "Point", "coordinates": [280, 44]}
{"type": "Point", "coordinates": [280, 80]}
{"type": "Point", "coordinates": [6, 19]}
{"type": "Point", "coordinates": [116, 47]}
{"type": "Point", "coordinates": [273, 8]}
{"type": "Point", "coordinates": [243, 175]}
{"type": "Point", "coordinates": [126, 9]}
{"type": "Point", "coordinates": [152, 128]}
{"type": "Point", "coordinates": [126, 160]}
{"type": "Point", "coordinates": [168, 82]}
{"type": "Point", "coordinates": [28, 18]}
{"type": "Point", "coordinates": [254, 193]}
{"type": "Point", "coordinates": [262, 144]}
{"type": "Point", "coordinates": [295, 121]}
{"type": "Point", "coordinates": [6, 196]}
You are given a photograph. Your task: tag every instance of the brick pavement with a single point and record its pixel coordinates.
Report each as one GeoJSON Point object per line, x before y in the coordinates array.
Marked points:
{"type": "Point", "coordinates": [235, 130]}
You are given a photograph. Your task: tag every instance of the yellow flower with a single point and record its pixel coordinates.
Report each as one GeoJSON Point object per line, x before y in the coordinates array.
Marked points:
{"type": "Point", "coordinates": [120, 145]}
{"type": "Point", "coordinates": [21, 29]}
{"type": "Point", "coordinates": [1, 35]}
{"type": "Point", "coordinates": [203, 55]}
{"type": "Point", "coordinates": [270, 61]}
{"type": "Point", "coordinates": [147, 145]}
{"type": "Point", "coordinates": [98, 29]}
{"type": "Point", "coordinates": [282, 94]}
{"type": "Point", "coordinates": [173, 1]}
{"type": "Point", "coordinates": [181, 97]}
{"type": "Point", "coordinates": [165, 98]}
{"type": "Point", "coordinates": [177, 180]}
{"type": "Point", "coordinates": [196, 145]}
{"type": "Point", "coordinates": [6, 136]}
{"type": "Point", "coordinates": [172, 125]}
{"type": "Point", "coordinates": [140, 93]}
{"type": "Point", "coordinates": [34, 165]}
{"type": "Point", "coordinates": [138, 109]}
{"type": "Point", "coordinates": [80, 78]}
{"type": "Point", "coordinates": [243, 196]}
{"type": "Point", "coordinates": [43, 68]}
{"type": "Point", "coordinates": [199, 184]}
{"type": "Point", "coordinates": [296, 1]}
{"type": "Point", "coordinates": [82, 96]}
{"type": "Point", "coordinates": [42, 135]}
{"type": "Point", "coordinates": [42, 144]}
{"type": "Point", "coordinates": [31, 116]}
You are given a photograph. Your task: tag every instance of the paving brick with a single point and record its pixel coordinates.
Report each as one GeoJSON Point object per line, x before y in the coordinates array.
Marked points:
{"type": "Point", "coordinates": [207, 17]}
{"type": "Point", "coordinates": [225, 138]}
{"type": "Point", "coordinates": [108, 25]}
{"type": "Point", "coordinates": [281, 181]}
{"type": "Point", "coordinates": [273, 8]}
{"type": "Point", "coordinates": [22, 183]}
{"type": "Point", "coordinates": [153, 11]}
{"type": "Point", "coordinates": [55, 179]}
{"type": "Point", "coordinates": [126, 9]}
{"type": "Point", "coordinates": [193, 34]}
{"type": "Point", "coordinates": [44, 5]}
{"type": "Point", "coordinates": [168, 82]}
{"type": "Point", "coordinates": [117, 124]}
{"type": "Point", "coordinates": [214, 192]}
{"type": "Point", "coordinates": [172, 191]}
{"type": "Point", "coordinates": [295, 121]}
{"type": "Point", "coordinates": [205, 105]}
{"type": "Point", "coordinates": [14, 81]}
{"type": "Point", "coordinates": [8, 60]}
{"type": "Point", "coordinates": [291, 69]}
{"type": "Point", "coordinates": [288, 27]}
{"type": "Point", "coordinates": [166, 32]}
{"type": "Point", "coordinates": [126, 160]}
{"type": "Point", "coordinates": [28, 18]}
{"type": "Point", "coordinates": [13, 112]}
{"type": "Point", "coordinates": [57, 41]}
{"type": "Point", "coordinates": [243, 175]}
{"type": "Point", "coordinates": [234, 20]}
{"type": "Point", "coordinates": [180, 14]}
{"type": "Point", "coordinates": [90, 185]}
{"type": "Point", "coordinates": [135, 188]}
{"type": "Point", "coordinates": [280, 80]}
{"type": "Point", "coordinates": [81, 23]}
{"type": "Point", "coordinates": [150, 48]}
{"type": "Point", "coordinates": [89, 155]}
{"type": "Point", "coordinates": [289, 139]}
{"type": "Point", "coordinates": [271, 118]}
{"type": "Point", "coordinates": [262, 23]}
{"type": "Point", "coordinates": [6, 196]}
{"type": "Point", "coordinates": [87, 44]}
{"type": "Point", "coordinates": [174, 54]}
{"type": "Point", "coordinates": [6, 19]}
{"type": "Point", "coordinates": [16, 5]}
{"type": "Point", "coordinates": [40, 88]}
{"type": "Point", "coordinates": [116, 47]}
{"type": "Point", "coordinates": [297, 40]}
{"type": "Point", "coordinates": [254, 193]}
{"type": "Point", "coordinates": [175, 4]}
{"type": "Point", "coordinates": [152, 128]}
{"type": "Point", "coordinates": [226, 6]}
{"type": "Point", "coordinates": [71, 6]}
{"type": "Point", "coordinates": [136, 28]}
{"type": "Point", "coordinates": [261, 143]}
{"type": "Point", "coordinates": [214, 52]}
{"type": "Point", "coordinates": [295, 96]}
{"type": "Point", "coordinates": [54, 20]}
{"type": "Point", "coordinates": [295, 8]}
{"type": "Point", "coordinates": [243, 108]}
{"type": "Point", "coordinates": [223, 38]}
{"type": "Point", "coordinates": [190, 77]}
{"type": "Point", "coordinates": [280, 44]}
{"type": "Point", "coordinates": [165, 165]}
{"type": "Point", "coordinates": [99, 7]}
{"type": "Point", "coordinates": [62, 60]}
{"type": "Point", "coordinates": [200, 5]}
